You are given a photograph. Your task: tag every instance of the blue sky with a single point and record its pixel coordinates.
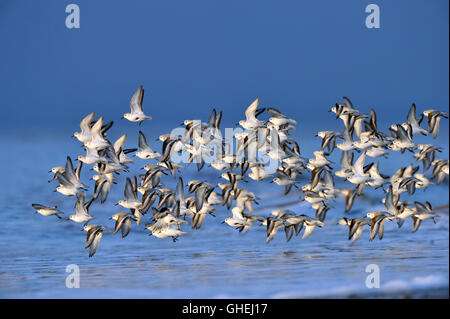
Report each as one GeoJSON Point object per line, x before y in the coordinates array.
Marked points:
{"type": "Point", "coordinates": [298, 56]}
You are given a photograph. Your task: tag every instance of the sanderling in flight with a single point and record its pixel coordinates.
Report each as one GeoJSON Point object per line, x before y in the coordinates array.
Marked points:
{"type": "Point", "coordinates": [137, 114]}
{"type": "Point", "coordinates": [47, 211]}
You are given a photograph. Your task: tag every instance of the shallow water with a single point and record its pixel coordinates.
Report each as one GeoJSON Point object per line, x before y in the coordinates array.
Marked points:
{"type": "Point", "coordinates": [213, 262]}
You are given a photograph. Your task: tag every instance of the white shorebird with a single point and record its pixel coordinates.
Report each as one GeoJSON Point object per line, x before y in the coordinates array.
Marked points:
{"type": "Point", "coordinates": [355, 227]}
{"type": "Point", "coordinates": [137, 114]}
{"type": "Point", "coordinates": [440, 170]}
{"type": "Point", "coordinates": [82, 210]}
{"type": "Point", "coordinates": [272, 225]}
{"type": "Point", "coordinates": [84, 135]}
{"type": "Point", "coordinates": [166, 225]}
{"type": "Point", "coordinates": [347, 144]}
{"type": "Point", "coordinates": [251, 122]}
{"type": "Point", "coordinates": [145, 151]}
{"type": "Point", "coordinates": [346, 165]}
{"type": "Point", "coordinates": [92, 157]}
{"type": "Point", "coordinates": [319, 161]}
{"type": "Point", "coordinates": [47, 211]}
{"type": "Point", "coordinates": [97, 141]}
{"type": "Point", "coordinates": [258, 172]}
{"type": "Point", "coordinates": [376, 179]}
{"type": "Point", "coordinates": [427, 154]}
{"type": "Point", "coordinates": [328, 140]}
{"type": "Point", "coordinates": [66, 187]}
{"type": "Point", "coordinates": [54, 170]}
{"type": "Point", "coordinates": [242, 221]}
{"type": "Point", "coordinates": [403, 138]}
{"type": "Point", "coordinates": [378, 219]}
{"type": "Point", "coordinates": [131, 201]}
{"type": "Point", "coordinates": [285, 180]}
{"type": "Point", "coordinates": [415, 122]}
{"type": "Point", "coordinates": [73, 175]}
{"type": "Point", "coordinates": [423, 212]}
{"type": "Point", "coordinates": [434, 117]}
{"type": "Point", "coordinates": [278, 119]}
{"type": "Point", "coordinates": [94, 234]}
{"type": "Point", "coordinates": [310, 225]}
{"type": "Point", "coordinates": [344, 111]}
{"type": "Point", "coordinates": [359, 176]}
{"type": "Point", "coordinates": [123, 223]}
{"type": "Point", "coordinates": [121, 152]}
{"type": "Point", "coordinates": [376, 152]}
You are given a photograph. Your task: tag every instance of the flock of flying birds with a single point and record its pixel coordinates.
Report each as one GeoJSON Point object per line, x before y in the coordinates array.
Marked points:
{"type": "Point", "coordinates": [172, 207]}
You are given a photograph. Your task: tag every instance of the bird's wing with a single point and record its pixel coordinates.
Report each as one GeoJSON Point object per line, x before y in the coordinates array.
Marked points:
{"type": "Point", "coordinates": [250, 112]}
{"type": "Point", "coordinates": [120, 143]}
{"type": "Point", "coordinates": [93, 247]}
{"type": "Point", "coordinates": [179, 194]}
{"type": "Point", "coordinates": [143, 141]}
{"type": "Point", "coordinates": [212, 118]}
{"type": "Point", "coordinates": [402, 133]}
{"type": "Point", "coordinates": [347, 102]}
{"type": "Point", "coordinates": [78, 170]}
{"type": "Point", "coordinates": [39, 206]}
{"type": "Point", "coordinates": [129, 191]}
{"type": "Point", "coordinates": [345, 163]}
{"type": "Point", "coordinates": [411, 117]}
{"type": "Point", "coordinates": [199, 198]}
{"type": "Point", "coordinates": [85, 122]}
{"type": "Point", "coordinates": [126, 226]}
{"type": "Point", "coordinates": [63, 180]}
{"type": "Point", "coordinates": [69, 172]}
{"type": "Point", "coordinates": [136, 101]}
{"type": "Point", "coordinates": [275, 113]}
{"type": "Point", "coordinates": [237, 213]}
{"type": "Point", "coordinates": [359, 164]}
{"type": "Point", "coordinates": [80, 206]}
{"type": "Point", "coordinates": [96, 128]}
{"type": "Point", "coordinates": [308, 231]}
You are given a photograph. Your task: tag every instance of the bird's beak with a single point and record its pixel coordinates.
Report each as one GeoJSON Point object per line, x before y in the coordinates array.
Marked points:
{"type": "Point", "coordinates": [116, 204]}
{"type": "Point", "coordinates": [122, 118]}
